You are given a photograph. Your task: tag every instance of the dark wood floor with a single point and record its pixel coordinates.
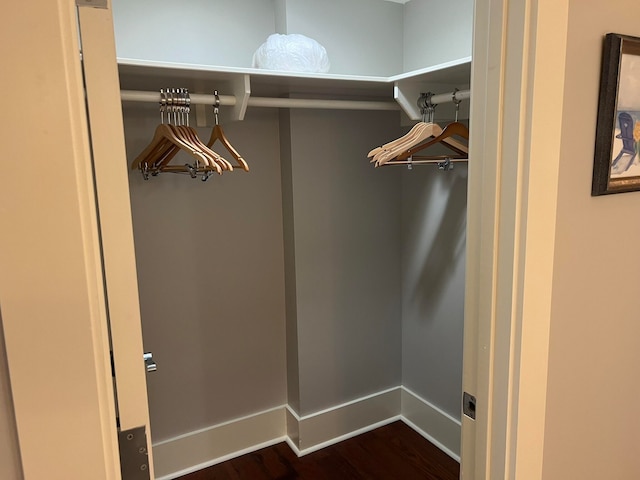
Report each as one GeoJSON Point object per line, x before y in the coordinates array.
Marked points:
{"type": "Point", "coordinates": [393, 452]}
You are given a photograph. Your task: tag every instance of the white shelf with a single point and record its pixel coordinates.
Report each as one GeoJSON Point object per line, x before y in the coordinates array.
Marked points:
{"type": "Point", "coordinates": [437, 79]}
{"type": "Point", "coordinates": [244, 83]}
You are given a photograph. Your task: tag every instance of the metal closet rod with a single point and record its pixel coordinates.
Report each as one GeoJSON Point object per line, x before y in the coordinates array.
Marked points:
{"type": "Point", "coordinates": [230, 100]}
{"type": "Point", "coordinates": [456, 96]}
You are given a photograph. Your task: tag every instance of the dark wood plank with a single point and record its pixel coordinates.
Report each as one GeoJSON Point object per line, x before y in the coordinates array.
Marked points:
{"type": "Point", "coordinates": [391, 452]}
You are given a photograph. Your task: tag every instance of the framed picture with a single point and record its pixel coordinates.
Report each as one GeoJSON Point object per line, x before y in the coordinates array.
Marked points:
{"type": "Point", "coordinates": [616, 165]}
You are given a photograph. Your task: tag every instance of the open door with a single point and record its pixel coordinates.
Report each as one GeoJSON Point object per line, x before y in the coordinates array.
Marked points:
{"type": "Point", "coordinates": [58, 255]}
{"type": "Point", "coordinates": [516, 116]}
{"type": "Point", "coordinates": [116, 233]}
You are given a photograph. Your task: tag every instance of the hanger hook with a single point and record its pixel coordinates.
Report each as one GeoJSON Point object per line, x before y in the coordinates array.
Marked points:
{"type": "Point", "coordinates": [174, 106]}
{"type": "Point", "coordinates": [179, 109]}
{"type": "Point", "coordinates": [187, 104]}
{"type": "Point", "coordinates": [456, 101]}
{"type": "Point", "coordinates": [193, 170]}
{"type": "Point", "coordinates": [422, 106]}
{"type": "Point", "coordinates": [427, 107]}
{"type": "Point", "coordinates": [181, 104]}
{"type": "Point", "coordinates": [170, 111]}
{"type": "Point", "coordinates": [216, 106]}
{"type": "Point", "coordinates": [168, 104]}
{"type": "Point", "coordinates": [163, 104]}
{"type": "Point", "coordinates": [178, 106]}
{"type": "Point", "coordinates": [446, 165]}
{"type": "Point", "coordinates": [144, 169]}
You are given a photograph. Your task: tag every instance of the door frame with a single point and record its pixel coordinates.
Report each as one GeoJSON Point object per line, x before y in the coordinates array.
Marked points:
{"type": "Point", "coordinates": [516, 123]}
{"type": "Point", "coordinates": [111, 178]}
{"type": "Point", "coordinates": [518, 74]}
{"type": "Point", "coordinates": [51, 285]}
{"type": "Point", "coordinates": [69, 291]}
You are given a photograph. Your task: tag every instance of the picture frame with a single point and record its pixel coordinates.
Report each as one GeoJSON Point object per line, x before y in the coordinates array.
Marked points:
{"type": "Point", "coordinates": [616, 167]}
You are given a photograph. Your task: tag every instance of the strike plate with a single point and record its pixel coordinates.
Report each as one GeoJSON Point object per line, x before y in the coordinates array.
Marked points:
{"type": "Point", "coordinates": [469, 405]}
{"type": "Point", "coordinates": [134, 459]}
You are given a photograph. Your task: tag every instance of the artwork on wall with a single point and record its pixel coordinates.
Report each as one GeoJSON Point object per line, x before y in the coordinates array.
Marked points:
{"type": "Point", "coordinates": [616, 166]}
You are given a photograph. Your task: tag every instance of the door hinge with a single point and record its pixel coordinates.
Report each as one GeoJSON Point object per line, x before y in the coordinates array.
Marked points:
{"type": "Point", "coordinates": [134, 458]}
{"type": "Point", "coordinates": [92, 3]}
{"type": "Point", "coordinates": [469, 405]}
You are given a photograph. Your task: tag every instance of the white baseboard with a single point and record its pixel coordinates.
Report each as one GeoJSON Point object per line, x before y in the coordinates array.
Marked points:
{"type": "Point", "coordinates": [305, 434]}
{"type": "Point", "coordinates": [435, 425]}
{"type": "Point", "coordinates": [320, 429]}
{"type": "Point", "coordinates": [201, 449]}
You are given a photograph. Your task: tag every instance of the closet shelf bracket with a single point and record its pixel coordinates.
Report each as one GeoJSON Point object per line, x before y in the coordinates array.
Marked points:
{"type": "Point", "coordinates": [241, 90]}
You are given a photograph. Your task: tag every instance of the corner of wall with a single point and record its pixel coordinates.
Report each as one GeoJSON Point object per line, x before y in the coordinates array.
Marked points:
{"type": "Point", "coordinates": [280, 7]}
{"type": "Point", "coordinates": [306, 434]}
{"type": "Point", "coordinates": [432, 423]}
{"type": "Point", "coordinates": [313, 432]}
{"type": "Point", "coordinates": [286, 166]}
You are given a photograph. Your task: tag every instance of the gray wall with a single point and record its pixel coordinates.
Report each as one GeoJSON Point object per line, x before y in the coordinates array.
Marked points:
{"type": "Point", "coordinates": [211, 276]}
{"type": "Point", "coordinates": [373, 260]}
{"type": "Point", "coordinates": [373, 277]}
{"type": "Point", "coordinates": [434, 35]}
{"type": "Point", "coordinates": [220, 32]}
{"type": "Point", "coordinates": [362, 37]}
{"type": "Point", "coordinates": [10, 467]}
{"type": "Point", "coordinates": [293, 370]}
{"type": "Point", "coordinates": [346, 224]}
{"type": "Point", "coordinates": [433, 274]}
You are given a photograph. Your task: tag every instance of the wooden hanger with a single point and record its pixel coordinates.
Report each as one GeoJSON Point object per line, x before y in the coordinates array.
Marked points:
{"type": "Point", "coordinates": [419, 133]}
{"type": "Point", "coordinates": [452, 129]}
{"type": "Point", "coordinates": [408, 136]}
{"type": "Point", "coordinates": [397, 150]}
{"type": "Point", "coordinates": [181, 105]}
{"type": "Point", "coordinates": [214, 157]}
{"type": "Point", "coordinates": [422, 136]}
{"type": "Point", "coordinates": [218, 134]}
{"type": "Point", "coordinates": [169, 139]}
{"type": "Point", "coordinates": [161, 164]}
{"type": "Point", "coordinates": [163, 142]}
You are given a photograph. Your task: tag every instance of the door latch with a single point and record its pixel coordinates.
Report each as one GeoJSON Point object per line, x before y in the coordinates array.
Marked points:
{"type": "Point", "coordinates": [149, 363]}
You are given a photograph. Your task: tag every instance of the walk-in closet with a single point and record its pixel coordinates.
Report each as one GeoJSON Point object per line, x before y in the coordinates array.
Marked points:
{"type": "Point", "coordinates": [316, 295]}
